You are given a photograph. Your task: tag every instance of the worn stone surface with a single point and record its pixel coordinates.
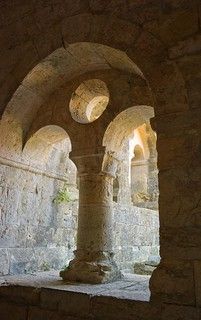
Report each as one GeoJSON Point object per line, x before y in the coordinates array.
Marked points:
{"type": "Point", "coordinates": [134, 245]}
{"type": "Point", "coordinates": [46, 239]}
{"type": "Point", "coordinates": [35, 232]}
{"type": "Point", "coordinates": [13, 311]}
{"type": "Point", "coordinates": [80, 40]}
{"type": "Point", "coordinates": [59, 300]}
{"type": "Point", "coordinates": [4, 258]}
{"type": "Point", "coordinates": [125, 299]}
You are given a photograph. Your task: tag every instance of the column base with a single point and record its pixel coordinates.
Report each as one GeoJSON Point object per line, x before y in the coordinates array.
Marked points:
{"type": "Point", "coordinates": [101, 270]}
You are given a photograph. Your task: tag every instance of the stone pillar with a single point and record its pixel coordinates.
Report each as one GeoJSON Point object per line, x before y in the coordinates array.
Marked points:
{"type": "Point", "coordinates": [123, 176]}
{"type": "Point", "coordinates": [152, 181]}
{"type": "Point", "coordinates": [124, 195]}
{"type": "Point", "coordinates": [139, 180]}
{"type": "Point", "coordinates": [177, 279]}
{"type": "Point", "coordinates": [93, 262]}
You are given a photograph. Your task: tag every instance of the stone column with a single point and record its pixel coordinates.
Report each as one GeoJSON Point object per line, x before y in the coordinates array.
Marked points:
{"type": "Point", "coordinates": [124, 196]}
{"type": "Point", "coordinates": [177, 279]}
{"type": "Point", "coordinates": [93, 262]}
{"type": "Point", "coordinates": [152, 182]}
{"type": "Point", "coordinates": [123, 176]}
{"type": "Point", "coordinates": [139, 181]}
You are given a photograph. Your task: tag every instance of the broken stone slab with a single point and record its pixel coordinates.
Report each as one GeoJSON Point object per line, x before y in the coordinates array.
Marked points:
{"type": "Point", "coordinates": [153, 261]}
{"type": "Point", "coordinates": [143, 269]}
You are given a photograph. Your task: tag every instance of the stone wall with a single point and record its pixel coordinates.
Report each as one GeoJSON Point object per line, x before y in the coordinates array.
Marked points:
{"type": "Point", "coordinates": [136, 235]}
{"type": "Point", "coordinates": [38, 234]}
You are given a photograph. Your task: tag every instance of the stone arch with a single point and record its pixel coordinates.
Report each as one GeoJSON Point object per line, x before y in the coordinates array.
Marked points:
{"type": "Point", "coordinates": [144, 171]}
{"type": "Point", "coordinates": [55, 71]}
{"type": "Point", "coordinates": [141, 46]}
{"type": "Point", "coordinates": [123, 125]}
{"type": "Point", "coordinates": [125, 90]}
{"type": "Point", "coordinates": [41, 90]}
{"type": "Point", "coordinates": [116, 142]}
{"type": "Point", "coordinates": [40, 144]}
{"type": "Point", "coordinates": [164, 77]}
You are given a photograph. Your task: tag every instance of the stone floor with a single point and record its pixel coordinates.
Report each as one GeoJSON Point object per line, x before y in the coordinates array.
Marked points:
{"type": "Point", "coordinates": [131, 287]}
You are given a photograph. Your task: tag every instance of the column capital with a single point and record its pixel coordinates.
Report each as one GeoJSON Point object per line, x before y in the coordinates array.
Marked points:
{"type": "Point", "coordinates": [94, 161]}
{"type": "Point", "coordinates": [110, 164]}
{"type": "Point", "coordinates": [88, 161]}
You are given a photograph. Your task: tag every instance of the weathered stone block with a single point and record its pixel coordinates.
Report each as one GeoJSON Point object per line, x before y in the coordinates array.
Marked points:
{"type": "Point", "coordinates": [50, 299]}
{"type": "Point", "coordinates": [84, 21]}
{"type": "Point", "coordinates": [4, 262]}
{"type": "Point", "coordinates": [118, 309]}
{"type": "Point", "coordinates": [70, 303]}
{"type": "Point", "coordinates": [197, 279]}
{"type": "Point", "coordinates": [36, 313]}
{"type": "Point", "coordinates": [22, 260]}
{"type": "Point", "coordinates": [175, 312]}
{"type": "Point", "coordinates": [11, 311]}
{"type": "Point", "coordinates": [75, 304]}
{"type": "Point", "coordinates": [173, 282]}
{"type": "Point", "coordinates": [173, 26]}
{"type": "Point", "coordinates": [20, 294]}
{"type": "Point", "coordinates": [189, 46]}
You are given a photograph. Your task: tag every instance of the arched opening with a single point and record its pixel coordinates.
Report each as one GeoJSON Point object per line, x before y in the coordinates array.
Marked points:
{"type": "Point", "coordinates": [144, 172]}
{"type": "Point", "coordinates": [131, 140]}
{"type": "Point", "coordinates": [70, 98]}
{"type": "Point", "coordinates": [39, 146]}
{"type": "Point", "coordinates": [37, 113]}
{"type": "Point", "coordinates": [162, 37]}
{"type": "Point", "coordinates": [39, 198]}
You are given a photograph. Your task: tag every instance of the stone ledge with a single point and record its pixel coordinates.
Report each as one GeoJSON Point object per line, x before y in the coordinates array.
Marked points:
{"type": "Point", "coordinates": [9, 311]}
{"type": "Point", "coordinates": [44, 296]}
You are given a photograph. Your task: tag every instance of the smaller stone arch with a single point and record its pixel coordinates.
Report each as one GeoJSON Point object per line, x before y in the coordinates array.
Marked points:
{"type": "Point", "coordinates": [123, 126]}
{"type": "Point", "coordinates": [143, 168]}
{"type": "Point", "coordinates": [116, 143]}
{"type": "Point", "coordinates": [39, 146]}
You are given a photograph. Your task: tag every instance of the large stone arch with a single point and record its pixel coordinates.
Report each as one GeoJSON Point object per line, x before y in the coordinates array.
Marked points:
{"type": "Point", "coordinates": [89, 28]}
{"type": "Point", "coordinates": [52, 107]}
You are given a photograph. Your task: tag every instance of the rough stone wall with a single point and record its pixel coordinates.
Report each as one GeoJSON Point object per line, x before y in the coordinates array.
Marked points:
{"type": "Point", "coordinates": [163, 38]}
{"type": "Point", "coordinates": [136, 235]}
{"type": "Point", "coordinates": [37, 234]}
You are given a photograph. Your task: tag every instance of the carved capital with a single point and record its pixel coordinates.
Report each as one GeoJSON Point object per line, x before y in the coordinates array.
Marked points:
{"type": "Point", "coordinates": [90, 161]}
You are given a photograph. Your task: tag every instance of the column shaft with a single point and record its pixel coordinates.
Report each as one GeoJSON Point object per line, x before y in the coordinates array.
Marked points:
{"type": "Point", "coordinates": [95, 213]}
{"type": "Point", "coordinates": [93, 262]}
